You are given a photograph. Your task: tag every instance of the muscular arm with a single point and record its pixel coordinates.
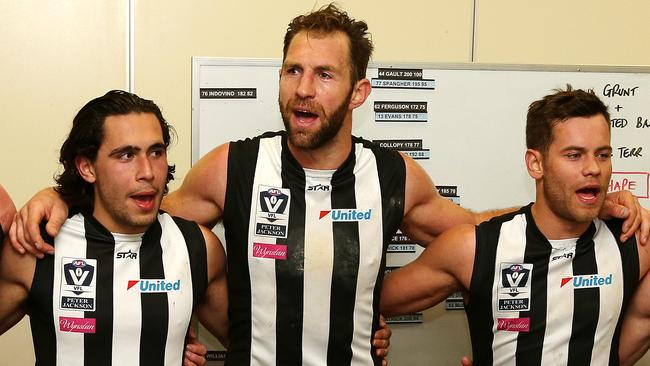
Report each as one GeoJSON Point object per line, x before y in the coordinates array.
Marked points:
{"type": "Point", "coordinates": [427, 214]}
{"type": "Point", "coordinates": [7, 210]}
{"type": "Point", "coordinates": [16, 272]}
{"type": "Point", "coordinates": [442, 269]}
{"type": "Point", "coordinates": [202, 195]}
{"type": "Point", "coordinates": [635, 333]}
{"type": "Point", "coordinates": [213, 310]}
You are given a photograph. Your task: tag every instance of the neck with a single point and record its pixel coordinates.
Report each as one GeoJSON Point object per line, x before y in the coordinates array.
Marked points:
{"type": "Point", "coordinates": [554, 227]}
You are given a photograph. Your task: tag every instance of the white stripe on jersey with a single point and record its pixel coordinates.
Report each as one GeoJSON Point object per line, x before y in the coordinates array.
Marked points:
{"type": "Point", "coordinates": [555, 350]}
{"type": "Point", "coordinates": [319, 259]}
{"type": "Point", "coordinates": [126, 304]}
{"type": "Point", "coordinates": [175, 256]}
{"type": "Point", "coordinates": [510, 250]}
{"type": "Point", "coordinates": [263, 287]}
{"type": "Point", "coordinates": [608, 257]}
{"type": "Point", "coordinates": [366, 192]}
{"type": "Point", "coordinates": [69, 347]}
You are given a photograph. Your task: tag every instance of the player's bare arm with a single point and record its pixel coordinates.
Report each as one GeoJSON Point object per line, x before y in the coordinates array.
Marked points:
{"type": "Point", "coordinates": [16, 273]}
{"type": "Point", "coordinates": [202, 195]}
{"type": "Point", "coordinates": [213, 310]}
{"type": "Point", "coordinates": [442, 269]}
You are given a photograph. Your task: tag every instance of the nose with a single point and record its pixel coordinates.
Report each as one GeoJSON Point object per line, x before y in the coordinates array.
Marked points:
{"type": "Point", "coordinates": [145, 169]}
{"type": "Point", "coordinates": [306, 87]}
{"type": "Point", "coordinates": [592, 166]}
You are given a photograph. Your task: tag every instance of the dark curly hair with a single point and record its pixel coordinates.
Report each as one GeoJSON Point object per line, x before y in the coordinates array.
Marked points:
{"type": "Point", "coordinates": [86, 137]}
{"type": "Point", "coordinates": [545, 113]}
{"type": "Point", "coordinates": [329, 19]}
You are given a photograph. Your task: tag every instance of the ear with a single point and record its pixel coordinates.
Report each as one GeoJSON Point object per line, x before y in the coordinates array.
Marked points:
{"type": "Point", "coordinates": [360, 93]}
{"type": "Point", "coordinates": [534, 163]}
{"type": "Point", "coordinates": [85, 168]}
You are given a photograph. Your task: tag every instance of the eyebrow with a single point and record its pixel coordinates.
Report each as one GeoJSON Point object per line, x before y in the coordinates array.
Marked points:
{"type": "Point", "coordinates": [580, 148]}
{"type": "Point", "coordinates": [131, 148]}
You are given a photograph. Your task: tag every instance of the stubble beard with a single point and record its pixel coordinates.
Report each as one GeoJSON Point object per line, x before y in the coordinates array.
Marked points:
{"type": "Point", "coordinates": [330, 126]}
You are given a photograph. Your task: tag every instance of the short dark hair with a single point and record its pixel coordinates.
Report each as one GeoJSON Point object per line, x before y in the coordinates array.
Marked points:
{"type": "Point", "coordinates": [86, 137]}
{"type": "Point", "coordinates": [329, 19]}
{"type": "Point", "coordinates": [554, 108]}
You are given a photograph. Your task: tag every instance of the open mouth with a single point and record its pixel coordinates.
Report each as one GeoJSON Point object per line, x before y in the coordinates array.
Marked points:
{"type": "Point", "coordinates": [588, 194]}
{"type": "Point", "coordinates": [145, 200]}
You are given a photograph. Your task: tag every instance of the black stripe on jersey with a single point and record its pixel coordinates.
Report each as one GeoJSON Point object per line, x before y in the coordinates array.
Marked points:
{"type": "Point", "coordinates": [587, 300]}
{"type": "Point", "coordinates": [345, 267]}
{"type": "Point", "coordinates": [630, 265]}
{"type": "Point", "coordinates": [479, 318]}
{"type": "Point", "coordinates": [198, 257]}
{"type": "Point", "coordinates": [155, 310]}
{"type": "Point", "coordinates": [392, 184]}
{"type": "Point", "coordinates": [239, 190]}
{"type": "Point", "coordinates": [290, 287]}
{"type": "Point", "coordinates": [98, 348]}
{"type": "Point", "coordinates": [39, 305]}
{"type": "Point", "coordinates": [528, 350]}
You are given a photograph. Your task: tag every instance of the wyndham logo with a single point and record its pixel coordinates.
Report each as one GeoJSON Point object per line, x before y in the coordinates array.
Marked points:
{"type": "Point", "coordinates": [152, 286]}
{"type": "Point", "coordinates": [588, 281]}
{"type": "Point", "coordinates": [347, 215]}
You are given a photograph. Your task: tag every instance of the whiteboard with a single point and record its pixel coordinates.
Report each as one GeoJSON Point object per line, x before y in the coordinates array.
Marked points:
{"type": "Point", "coordinates": [465, 124]}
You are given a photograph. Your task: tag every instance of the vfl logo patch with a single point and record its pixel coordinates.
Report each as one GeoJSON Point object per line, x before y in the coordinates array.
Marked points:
{"type": "Point", "coordinates": [78, 285]}
{"type": "Point", "coordinates": [319, 187]}
{"type": "Point", "coordinates": [347, 215]}
{"type": "Point", "coordinates": [154, 286]}
{"type": "Point", "coordinates": [513, 290]}
{"type": "Point", "coordinates": [588, 281]}
{"type": "Point", "coordinates": [272, 216]}
{"type": "Point", "coordinates": [514, 324]}
{"type": "Point", "coordinates": [77, 325]}
{"type": "Point", "coordinates": [129, 255]}
{"type": "Point", "coordinates": [272, 251]}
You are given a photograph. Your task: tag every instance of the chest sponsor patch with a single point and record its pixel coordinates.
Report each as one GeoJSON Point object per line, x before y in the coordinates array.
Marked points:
{"type": "Point", "coordinates": [271, 251]}
{"type": "Point", "coordinates": [272, 217]}
{"type": "Point", "coordinates": [514, 324]}
{"type": "Point", "coordinates": [78, 290]}
{"type": "Point", "coordinates": [346, 215]}
{"type": "Point", "coordinates": [587, 281]}
{"type": "Point", "coordinates": [77, 325]}
{"type": "Point", "coordinates": [513, 289]}
{"type": "Point", "coordinates": [154, 286]}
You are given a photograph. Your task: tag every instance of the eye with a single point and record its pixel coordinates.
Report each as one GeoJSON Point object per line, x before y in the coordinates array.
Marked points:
{"type": "Point", "coordinates": [127, 155]}
{"type": "Point", "coordinates": [325, 75]}
{"type": "Point", "coordinates": [157, 152]}
{"type": "Point", "coordinates": [604, 155]}
{"type": "Point", "coordinates": [292, 71]}
{"type": "Point", "coordinates": [573, 155]}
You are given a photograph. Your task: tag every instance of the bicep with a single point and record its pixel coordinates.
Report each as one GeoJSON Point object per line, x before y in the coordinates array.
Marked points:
{"type": "Point", "coordinates": [427, 214]}
{"type": "Point", "coordinates": [202, 193]}
{"type": "Point", "coordinates": [15, 270]}
{"type": "Point", "coordinates": [443, 268]}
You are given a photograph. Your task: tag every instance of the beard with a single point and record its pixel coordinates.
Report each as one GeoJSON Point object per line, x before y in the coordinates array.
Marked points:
{"type": "Point", "coordinates": [561, 201]}
{"type": "Point", "coordinates": [330, 124]}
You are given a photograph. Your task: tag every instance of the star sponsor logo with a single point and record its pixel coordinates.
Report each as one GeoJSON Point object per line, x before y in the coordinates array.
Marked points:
{"type": "Point", "coordinates": [318, 187]}
{"type": "Point", "coordinates": [127, 255]}
{"type": "Point", "coordinates": [77, 325]}
{"type": "Point", "coordinates": [588, 281]}
{"type": "Point", "coordinates": [346, 215]}
{"type": "Point", "coordinates": [154, 285]}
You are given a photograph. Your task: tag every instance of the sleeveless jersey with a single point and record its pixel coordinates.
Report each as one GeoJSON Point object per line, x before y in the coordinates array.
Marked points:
{"type": "Point", "coordinates": [306, 252]}
{"type": "Point", "coordinates": [535, 302]}
{"type": "Point", "coordinates": [117, 299]}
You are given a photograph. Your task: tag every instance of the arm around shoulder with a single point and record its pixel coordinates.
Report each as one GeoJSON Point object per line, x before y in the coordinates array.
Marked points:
{"type": "Point", "coordinates": [635, 332]}
{"type": "Point", "coordinates": [443, 268]}
{"type": "Point", "coordinates": [201, 196]}
{"type": "Point", "coordinates": [213, 310]}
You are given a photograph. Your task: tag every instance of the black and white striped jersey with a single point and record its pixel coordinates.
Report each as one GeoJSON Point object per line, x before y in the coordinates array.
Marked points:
{"type": "Point", "coordinates": [540, 302]}
{"type": "Point", "coordinates": [117, 299]}
{"type": "Point", "coordinates": [306, 252]}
